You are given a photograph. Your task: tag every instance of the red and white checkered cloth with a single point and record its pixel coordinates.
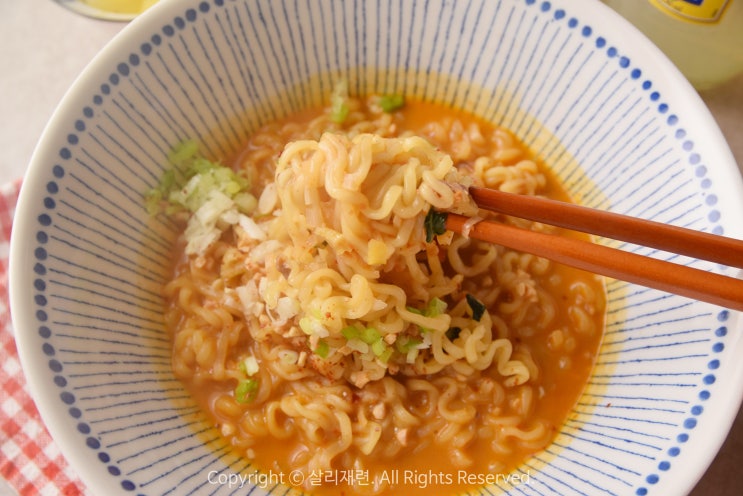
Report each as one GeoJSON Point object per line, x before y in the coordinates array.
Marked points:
{"type": "Point", "coordinates": [30, 461]}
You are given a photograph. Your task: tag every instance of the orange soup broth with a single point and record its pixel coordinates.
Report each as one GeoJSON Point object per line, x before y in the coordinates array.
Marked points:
{"type": "Point", "coordinates": [560, 382]}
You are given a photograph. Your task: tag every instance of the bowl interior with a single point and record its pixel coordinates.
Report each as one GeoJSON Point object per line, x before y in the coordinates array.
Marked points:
{"type": "Point", "coordinates": [615, 121]}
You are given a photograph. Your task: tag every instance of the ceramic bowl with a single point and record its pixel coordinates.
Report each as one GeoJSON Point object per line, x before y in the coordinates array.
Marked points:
{"type": "Point", "coordinates": [591, 96]}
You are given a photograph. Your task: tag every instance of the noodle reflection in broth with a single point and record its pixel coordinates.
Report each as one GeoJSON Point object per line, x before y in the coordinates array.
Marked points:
{"type": "Point", "coordinates": [321, 330]}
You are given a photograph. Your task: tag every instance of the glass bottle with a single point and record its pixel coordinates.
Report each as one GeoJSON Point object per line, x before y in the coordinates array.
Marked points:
{"type": "Point", "coordinates": [703, 38]}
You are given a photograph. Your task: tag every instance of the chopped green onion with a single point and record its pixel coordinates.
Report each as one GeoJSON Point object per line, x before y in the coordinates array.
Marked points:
{"type": "Point", "coordinates": [390, 103]}
{"type": "Point", "coordinates": [435, 223]}
{"type": "Point", "coordinates": [379, 347]}
{"type": "Point", "coordinates": [404, 345]}
{"type": "Point", "coordinates": [191, 181]}
{"type": "Point", "coordinates": [478, 309]}
{"type": "Point", "coordinates": [245, 202]}
{"type": "Point", "coordinates": [385, 356]}
{"type": "Point", "coordinates": [246, 390]}
{"type": "Point", "coordinates": [339, 103]}
{"type": "Point", "coordinates": [323, 349]}
{"type": "Point", "coordinates": [305, 323]}
{"type": "Point", "coordinates": [312, 325]}
{"type": "Point", "coordinates": [435, 307]}
{"type": "Point", "coordinates": [368, 335]}
{"type": "Point", "coordinates": [350, 332]}
{"type": "Point", "coordinates": [183, 151]}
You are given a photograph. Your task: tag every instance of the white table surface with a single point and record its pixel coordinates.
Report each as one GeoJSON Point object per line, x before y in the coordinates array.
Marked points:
{"type": "Point", "coordinates": [43, 48]}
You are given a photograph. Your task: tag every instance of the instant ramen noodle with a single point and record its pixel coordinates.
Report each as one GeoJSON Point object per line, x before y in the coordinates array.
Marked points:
{"type": "Point", "coordinates": [328, 328]}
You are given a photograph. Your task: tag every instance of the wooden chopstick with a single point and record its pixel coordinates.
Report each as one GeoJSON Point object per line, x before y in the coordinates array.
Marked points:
{"type": "Point", "coordinates": [626, 266]}
{"type": "Point", "coordinates": [673, 239]}
{"type": "Point", "coordinates": [650, 272]}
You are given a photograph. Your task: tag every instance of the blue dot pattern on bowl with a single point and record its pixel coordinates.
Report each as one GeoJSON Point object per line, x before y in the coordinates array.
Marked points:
{"type": "Point", "coordinates": [60, 284]}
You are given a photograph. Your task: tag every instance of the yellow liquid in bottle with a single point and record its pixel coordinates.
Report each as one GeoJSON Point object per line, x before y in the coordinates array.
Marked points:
{"type": "Point", "coordinates": [121, 6]}
{"type": "Point", "coordinates": [708, 48]}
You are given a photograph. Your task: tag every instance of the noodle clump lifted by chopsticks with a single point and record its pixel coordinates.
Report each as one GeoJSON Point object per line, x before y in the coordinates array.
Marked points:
{"type": "Point", "coordinates": [348, 220]}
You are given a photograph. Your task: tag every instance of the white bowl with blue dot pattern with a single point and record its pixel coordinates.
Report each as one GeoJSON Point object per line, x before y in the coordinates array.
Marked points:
{"type": "Point", "coordinates": [618, 124]}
